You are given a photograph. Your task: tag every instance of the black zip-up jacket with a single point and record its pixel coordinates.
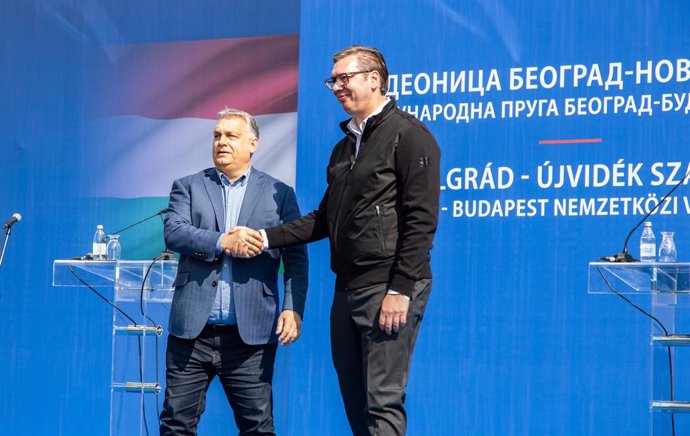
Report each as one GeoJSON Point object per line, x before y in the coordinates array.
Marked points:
{"type": "Point", "coordinates": [380, 210]}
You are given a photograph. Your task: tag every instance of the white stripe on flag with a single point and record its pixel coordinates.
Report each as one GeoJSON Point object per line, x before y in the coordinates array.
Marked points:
{"type": "Point", "coordinates": [140, 157]}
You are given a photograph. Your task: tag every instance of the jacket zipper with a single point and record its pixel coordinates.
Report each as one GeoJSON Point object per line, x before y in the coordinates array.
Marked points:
{"type": "Point", "coordinates": [381, 240]}
{"type": "Point", "coordinates": [336, 227]}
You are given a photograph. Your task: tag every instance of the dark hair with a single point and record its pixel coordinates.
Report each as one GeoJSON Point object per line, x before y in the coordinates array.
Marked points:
{"type": "Point", "coordinates": [369, 59]}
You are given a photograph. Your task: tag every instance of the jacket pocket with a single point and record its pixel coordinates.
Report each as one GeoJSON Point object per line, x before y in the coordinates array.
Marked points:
{"type": "Point", "coordinates": [379, 218]}
{"type": "Point", "coordinates": [268, 290]}
{"type": "Point", "coordinates": [181, 279]}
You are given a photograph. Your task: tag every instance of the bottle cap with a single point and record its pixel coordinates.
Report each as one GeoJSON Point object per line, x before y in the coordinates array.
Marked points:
{"type": "Point", "coordinates": [99, 227]}
{"type": "Point", "coordinates": [648, 224]}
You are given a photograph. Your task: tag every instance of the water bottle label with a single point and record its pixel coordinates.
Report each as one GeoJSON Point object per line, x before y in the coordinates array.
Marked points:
{"type": "Point", "coordinates": [647, 250]}
{"type": "Point", "coordinates": [98, 249]}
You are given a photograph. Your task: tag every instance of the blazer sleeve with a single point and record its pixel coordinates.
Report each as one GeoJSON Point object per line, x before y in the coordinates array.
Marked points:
{"type": "Point", "coordinates": [181, 235]}
{"type": "Point", "coordinates": [295, 260]}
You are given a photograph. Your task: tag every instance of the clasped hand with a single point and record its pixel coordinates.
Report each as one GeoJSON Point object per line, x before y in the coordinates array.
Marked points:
{"type": "Point", "coordinates": [242, 242]}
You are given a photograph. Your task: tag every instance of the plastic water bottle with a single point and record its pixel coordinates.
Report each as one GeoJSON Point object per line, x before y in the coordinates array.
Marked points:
{"type": "Point", "coordinates": [98, 250]}
{"type": "Point", "coordinates": [648, 244]}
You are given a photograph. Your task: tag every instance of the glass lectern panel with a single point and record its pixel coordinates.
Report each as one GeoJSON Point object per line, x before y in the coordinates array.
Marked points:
{"type": "Point", "coordinates": [143, 291]}
{"type": "Point", "coordinates": [666, 287]}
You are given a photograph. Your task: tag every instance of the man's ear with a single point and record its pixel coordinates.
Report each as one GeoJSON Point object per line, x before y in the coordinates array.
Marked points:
{"type": "Point", "coordinates": [376, 80]}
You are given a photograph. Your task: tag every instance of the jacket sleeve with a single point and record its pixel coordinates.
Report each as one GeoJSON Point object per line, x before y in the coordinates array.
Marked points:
{"type": "Point", "coordinates": [308, 228]}
{"type": "Point", "coordinates": [295, 261]}
{"type": "Point", "coordinates": [418, 180]}
{"type": "Point", "coordinates": [180, 234]}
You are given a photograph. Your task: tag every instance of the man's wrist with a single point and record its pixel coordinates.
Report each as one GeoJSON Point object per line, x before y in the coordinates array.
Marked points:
{"type": "Point", "coordinates": [219, 246]}
{"type": "Point", "coordinates": [264, 237]}
{"type": "Point", "coordinates": [392, 292]}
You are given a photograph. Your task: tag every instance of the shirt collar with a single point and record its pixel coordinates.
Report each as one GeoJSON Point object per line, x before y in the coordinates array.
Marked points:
{"type": "Point", "coordinates": [359, 129]}
{"type": "Point", "coordinates": [241, 180]}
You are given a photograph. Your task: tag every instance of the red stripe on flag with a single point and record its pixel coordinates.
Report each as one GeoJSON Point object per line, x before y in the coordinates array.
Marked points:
{"type": "Point", "coordinates": [198, 78]}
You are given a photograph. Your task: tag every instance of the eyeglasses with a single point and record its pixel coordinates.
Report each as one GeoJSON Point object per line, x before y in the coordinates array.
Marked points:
{"type": "Point", "coordinates": [343, 79]}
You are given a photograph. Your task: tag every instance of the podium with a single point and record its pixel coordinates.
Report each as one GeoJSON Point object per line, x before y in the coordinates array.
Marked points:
{"type": "Point", "coordinates": [143, 290]}
{"type": "Point", "coordinates": [668, 287]}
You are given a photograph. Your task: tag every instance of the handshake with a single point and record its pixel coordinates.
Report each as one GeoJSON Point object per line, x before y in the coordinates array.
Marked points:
{"type": "Point", "coordinates": [242, 242]}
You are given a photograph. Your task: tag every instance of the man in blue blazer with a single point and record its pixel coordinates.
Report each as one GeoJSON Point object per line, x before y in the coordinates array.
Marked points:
{"type": "Point", "coordinates": [226, 317]}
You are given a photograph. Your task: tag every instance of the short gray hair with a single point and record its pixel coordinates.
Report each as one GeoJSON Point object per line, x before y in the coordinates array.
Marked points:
{"type": "Point", "coordinates": [252, 125]}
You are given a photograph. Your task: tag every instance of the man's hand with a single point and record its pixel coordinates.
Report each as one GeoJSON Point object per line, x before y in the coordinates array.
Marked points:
{"type": "Point", "coordinates": [289, 327]}
{"type": "Point", "coordinates": [242, 242]}
{"type": "Point", "coordinates": [393, 314]}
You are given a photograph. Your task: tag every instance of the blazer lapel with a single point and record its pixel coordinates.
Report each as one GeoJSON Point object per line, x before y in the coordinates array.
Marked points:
{"type": "Point", "coordinates": [251, 196]}
{"type": "Point", "coordinates": [214, 188]}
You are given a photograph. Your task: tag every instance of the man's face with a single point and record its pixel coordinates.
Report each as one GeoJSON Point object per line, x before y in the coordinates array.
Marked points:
{"type": "Point", "coordinates": [232, 146]}
{"type": "Point", "coordinates": [358, 96]}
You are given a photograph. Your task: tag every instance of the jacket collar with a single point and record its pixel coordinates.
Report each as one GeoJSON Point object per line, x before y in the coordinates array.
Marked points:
{"type": "Point", "coordinates": [214, 187]}
{"type": "Point", "coordinates": [255, 184]}
{"type": "Point", "coordinates": [374, 120]}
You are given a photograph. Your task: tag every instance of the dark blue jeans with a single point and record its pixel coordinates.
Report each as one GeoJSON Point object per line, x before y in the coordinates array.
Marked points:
{"type": "Point", "coordinates": [245, 371]}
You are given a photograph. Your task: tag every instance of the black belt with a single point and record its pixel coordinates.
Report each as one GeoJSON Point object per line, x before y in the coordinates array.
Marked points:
{"type": "Point", "coordinates": [220, 328]}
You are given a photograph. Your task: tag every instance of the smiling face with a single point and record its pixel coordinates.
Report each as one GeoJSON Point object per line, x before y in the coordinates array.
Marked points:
{"type": "Point", "coordinates": [361, 96]}
{"type": "Point", "coordinates": [233, 146]}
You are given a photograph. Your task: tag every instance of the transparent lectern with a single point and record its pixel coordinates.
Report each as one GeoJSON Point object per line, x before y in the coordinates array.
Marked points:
{"type": "Point", "coordinates": [668, 287]}
{"type": "Point", "coordinates": [143, 291]}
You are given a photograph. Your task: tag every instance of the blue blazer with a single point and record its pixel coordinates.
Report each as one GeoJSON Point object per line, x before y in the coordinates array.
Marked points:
{"type": "Point", "coordinates": [194, 222]}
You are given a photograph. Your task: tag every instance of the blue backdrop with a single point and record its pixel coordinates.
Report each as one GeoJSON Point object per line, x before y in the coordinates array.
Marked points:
{"type": "Point", "coordinates": [595, 94]}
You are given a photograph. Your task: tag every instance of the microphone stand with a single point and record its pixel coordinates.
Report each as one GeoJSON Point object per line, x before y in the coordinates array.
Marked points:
{"type": "Point", "coordinates": [624, 256]}
{"type": "Point", "coordinates": [4, 245]}
{"type": "Point", "coordinates": [165, 254]}
{"type": "Point", "coordinates": [159, 213]}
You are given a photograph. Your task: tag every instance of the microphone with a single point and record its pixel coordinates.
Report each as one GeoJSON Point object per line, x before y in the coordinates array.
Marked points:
{"type": "Point", "coordinates": [165, 254]}
{"type": "Point", "coordinates": [89, 256]}
{"type": "Point", "coordinates": [16, 217]}
{"type": "Point", "coordinates": [8, 225]}
{"type": "Point", "coordinates": [159, 213]}
{"type": "Point", "coordinates": [624, 256]}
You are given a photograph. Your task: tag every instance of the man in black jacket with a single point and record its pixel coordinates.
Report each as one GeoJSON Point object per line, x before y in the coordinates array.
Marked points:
{"type": "Point", "coordinates": [380, 213]}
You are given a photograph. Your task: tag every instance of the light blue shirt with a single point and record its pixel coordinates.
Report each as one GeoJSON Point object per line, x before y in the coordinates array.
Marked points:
{"type": "Point", "coordinates": [223, 311]}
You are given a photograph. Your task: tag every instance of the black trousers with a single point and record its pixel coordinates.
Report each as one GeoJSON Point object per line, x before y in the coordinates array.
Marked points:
{"type": "Point", "coordinates": [245, 371]}
{"type": "Point", "coordinates": [372, 366]}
